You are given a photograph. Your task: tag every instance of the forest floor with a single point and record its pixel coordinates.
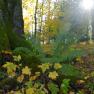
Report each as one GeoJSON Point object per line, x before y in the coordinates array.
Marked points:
{"type": "Point", "coordinates": [85, 64]}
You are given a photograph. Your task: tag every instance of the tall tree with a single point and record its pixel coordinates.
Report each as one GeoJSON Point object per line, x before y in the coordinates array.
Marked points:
{"type": "Point", "coordinates": [11, 19]}
{"type": "Point", "coordinates": [14, 14]}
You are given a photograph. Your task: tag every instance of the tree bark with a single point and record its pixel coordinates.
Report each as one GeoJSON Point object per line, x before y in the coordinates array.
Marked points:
{"type": "Point", "coordinates": [12, 15]}
{"type": "Point", "coordinates": [11, 21]}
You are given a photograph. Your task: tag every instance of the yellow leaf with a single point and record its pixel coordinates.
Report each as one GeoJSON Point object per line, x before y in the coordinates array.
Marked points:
{"type": "Point", "coordinates": [11, 73]}
{"type": "Point", "coordinates": [80, 81]}
{"type": "Point", "coordinates": [11, 68]}
{"type": "Point", "coordinates": [86, 77]}
{"type": "Point", "coordinates": [17, 58]}
{"type": "Point", "coordinates": [10, 65]}
{"type": "Point", "coordinates": [7, 52]}
{"type": "Point", "coordinates": [53, 75]}
{"type": "Point", "coordinates": [14, 92]}
{"type": "Point", "coordinates": [57, 66]}
{"type": "Point", "coordinates": [37, 73]}
{"type": "Point", "coordinates": [30, 91]}
{"type": "Point", "coordinates": [44, 67]}
{"type": "Point", "coordinates": [20, 78]}
{"type": "Point", "coordinates": [33, 77]}
{"type": "Point", "coordinates": [26, 71]}
{"type": "Point", "coordinates": [79, 59]}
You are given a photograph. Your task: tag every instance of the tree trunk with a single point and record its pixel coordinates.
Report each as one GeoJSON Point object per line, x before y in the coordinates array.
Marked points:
{"type": "Point", "coordinates": [14, 9]}
{"type": "Point", "coordinates": [35, 16]}
{"type": "Point", "coordinates": [11, 20]}
{"type": "Point", "coordinates": [42, 13]}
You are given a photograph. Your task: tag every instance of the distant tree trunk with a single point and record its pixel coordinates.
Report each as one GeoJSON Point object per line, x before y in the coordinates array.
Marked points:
{"type": "Point", "coordinates": [42, 12]}
{"type": "Point", "coordinates": [49, 14]}
{"type": "Point", "coordinates": [35, 16]}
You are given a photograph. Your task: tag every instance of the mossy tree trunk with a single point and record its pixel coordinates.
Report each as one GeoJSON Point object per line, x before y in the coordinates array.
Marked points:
{"type": "Point", "coordinates": [11, 21]}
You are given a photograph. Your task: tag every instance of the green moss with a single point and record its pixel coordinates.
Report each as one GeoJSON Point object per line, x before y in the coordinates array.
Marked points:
{"type": "Point", "coordinates": [4, 42]}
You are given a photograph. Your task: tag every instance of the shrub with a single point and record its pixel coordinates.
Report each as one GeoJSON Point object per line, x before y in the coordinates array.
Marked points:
{"type": "Point", "coordinates": [28, 58]}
